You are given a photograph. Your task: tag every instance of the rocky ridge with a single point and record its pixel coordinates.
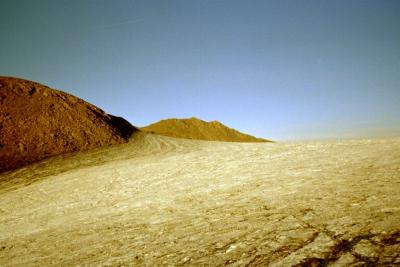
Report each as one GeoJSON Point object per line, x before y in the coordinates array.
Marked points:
{"type": "Point", "coordinates": [37, 122]}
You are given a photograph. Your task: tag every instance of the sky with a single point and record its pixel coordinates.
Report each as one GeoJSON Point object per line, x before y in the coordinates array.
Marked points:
{"type": "Point", "coordinates": [283, 70]}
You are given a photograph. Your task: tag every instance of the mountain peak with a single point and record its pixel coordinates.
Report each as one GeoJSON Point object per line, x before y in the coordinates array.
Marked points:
{"type": "Point", "coordinates": [37, 122]}
{"type": "Point", "coordinates": [195, 128]}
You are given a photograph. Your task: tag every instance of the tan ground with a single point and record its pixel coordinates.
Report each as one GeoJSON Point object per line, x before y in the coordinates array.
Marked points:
{"type": "Point", "coordinates": [159, 201]}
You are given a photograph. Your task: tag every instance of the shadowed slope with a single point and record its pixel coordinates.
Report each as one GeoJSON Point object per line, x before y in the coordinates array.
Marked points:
{"type": "Point", "coordinates": [194, 128]}
{"type": "Point", "coordinates": [37, 122]}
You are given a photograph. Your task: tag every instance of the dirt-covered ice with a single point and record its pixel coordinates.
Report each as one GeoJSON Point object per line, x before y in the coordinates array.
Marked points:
{"type": "Point", "coordinates": [159, 201]}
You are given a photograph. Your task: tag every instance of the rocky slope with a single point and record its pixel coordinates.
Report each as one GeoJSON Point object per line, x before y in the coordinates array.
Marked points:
{"type": "Point", "coordinates": [37, 122]}
{"type": "Point", "coordinates": [194, 128]}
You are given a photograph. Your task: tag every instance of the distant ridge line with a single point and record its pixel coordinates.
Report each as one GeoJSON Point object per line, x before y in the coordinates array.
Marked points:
{"type": "Point", "coordinates": [194, 128]}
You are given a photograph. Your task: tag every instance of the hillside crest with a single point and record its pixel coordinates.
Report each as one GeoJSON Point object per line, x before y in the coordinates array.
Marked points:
{"type": "Point", "coordinates": [37, 122]}
{"type": "Point", "coordinates": [195, 128]}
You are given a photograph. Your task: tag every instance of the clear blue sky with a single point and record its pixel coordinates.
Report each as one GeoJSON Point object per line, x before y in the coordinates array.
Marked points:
{"type": "Point", "coordinates": [275, 69]}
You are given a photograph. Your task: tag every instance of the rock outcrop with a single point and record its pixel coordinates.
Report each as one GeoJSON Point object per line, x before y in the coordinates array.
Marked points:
{"type": "Point", "coordinates": [37, 122]}
{"type": "Point", "coordinates": [194, 128]}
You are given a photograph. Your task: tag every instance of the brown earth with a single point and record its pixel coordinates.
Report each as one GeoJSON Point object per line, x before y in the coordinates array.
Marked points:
{"type": "Point", "coordinates": [194, 128]}
{"type": "Point", "coordinates": [37, 122]}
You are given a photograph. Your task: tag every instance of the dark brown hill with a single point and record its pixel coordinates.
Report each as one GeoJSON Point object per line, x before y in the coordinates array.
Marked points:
{"type": "Point", "coordinates": [194, 128]}
{"type": "Point", "coordinates": [37, 122]}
